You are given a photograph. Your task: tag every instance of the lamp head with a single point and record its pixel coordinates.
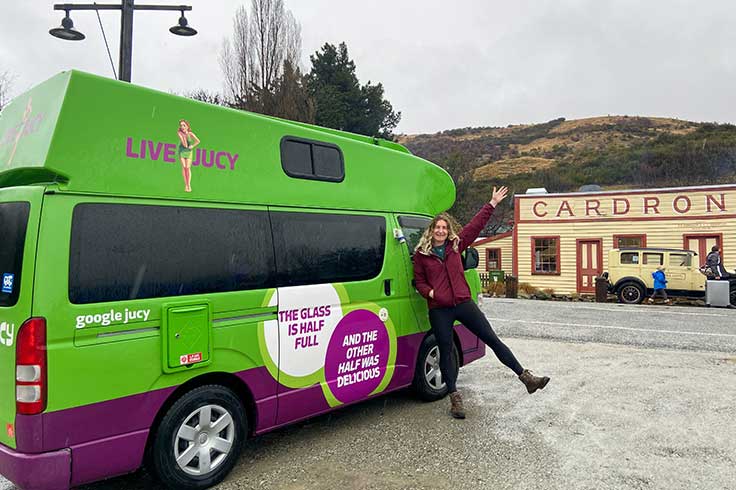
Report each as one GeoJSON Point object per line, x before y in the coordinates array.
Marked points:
{"type": "Point", "coordinates": [67, 31]}
{"type": "Point", "coordinates": [182, 29]}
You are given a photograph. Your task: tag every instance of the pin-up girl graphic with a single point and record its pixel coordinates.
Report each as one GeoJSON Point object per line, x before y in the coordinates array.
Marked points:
{"type": "Point", "coordinates": [187, 142]}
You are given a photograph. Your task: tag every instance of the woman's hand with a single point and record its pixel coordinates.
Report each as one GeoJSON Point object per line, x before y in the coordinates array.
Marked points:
{"type": "Point", "coordinates": [499, 195]}
{"type": "Point", "coordinates": [431, 294]}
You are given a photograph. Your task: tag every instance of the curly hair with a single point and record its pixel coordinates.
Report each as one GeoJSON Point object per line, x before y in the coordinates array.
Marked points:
{"type": "Point", "coordinates": [453, 228]}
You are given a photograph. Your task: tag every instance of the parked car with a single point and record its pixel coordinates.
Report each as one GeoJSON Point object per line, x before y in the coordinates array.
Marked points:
{"type": "Point", "coordinates": [630, 273]}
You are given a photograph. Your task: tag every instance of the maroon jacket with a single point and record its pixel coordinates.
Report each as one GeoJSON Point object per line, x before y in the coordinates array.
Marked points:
{"type": "Point", "coordinates": [447, 277]}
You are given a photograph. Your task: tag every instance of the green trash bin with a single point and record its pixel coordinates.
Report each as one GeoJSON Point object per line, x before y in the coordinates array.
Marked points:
{"type": "Point", "coordinates": [496, 276]}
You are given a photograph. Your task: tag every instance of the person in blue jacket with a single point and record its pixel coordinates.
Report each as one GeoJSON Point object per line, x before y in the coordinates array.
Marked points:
{"type": "Point", "coordinates": [660, 283]}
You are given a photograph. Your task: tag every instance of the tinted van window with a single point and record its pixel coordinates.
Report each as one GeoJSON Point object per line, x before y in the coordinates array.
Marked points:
{"type": "Point", "coordinates": [314, 248]}
{"type": "Point", "coordinates": [122, 252]}
{"type": "Point", "coordinates": [314, 160]}
{"type": "Point", "coordinates": [13, 224]}
{"type": "Point", "coordinates": [413, 227]}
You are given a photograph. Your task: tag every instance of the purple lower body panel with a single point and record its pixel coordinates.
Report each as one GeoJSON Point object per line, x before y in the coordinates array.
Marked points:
{"type": "Point", "coordinates": [471, 347]}
{"type": "Point", "coordinates": [84, 444]}
{"type": "Point", "coordinates": [46, 471]}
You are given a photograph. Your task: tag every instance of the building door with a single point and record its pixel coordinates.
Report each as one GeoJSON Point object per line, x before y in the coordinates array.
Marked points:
{"type": "Point", "coordinates": [701, 244]}
{"type": "Point", "coordinates": [589, 263]}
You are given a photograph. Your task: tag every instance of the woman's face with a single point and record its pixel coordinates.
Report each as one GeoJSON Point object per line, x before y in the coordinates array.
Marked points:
{"type": "Point", "coordinates": [183, 126]}
{"type": "Point", "coordinates": [439, 233]}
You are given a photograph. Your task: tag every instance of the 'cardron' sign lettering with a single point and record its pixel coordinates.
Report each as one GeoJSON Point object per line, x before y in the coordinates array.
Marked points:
{"type": "Point", "coordinates": [634, 205]}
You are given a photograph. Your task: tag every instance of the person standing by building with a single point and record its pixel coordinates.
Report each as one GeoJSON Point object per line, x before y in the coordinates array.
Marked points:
{"type": "Point", "coordinates": [713, 262]}
{"type": "Point", "coordinates": [660, 285]}
{"type": "Point", "coordinates": [440, 278]}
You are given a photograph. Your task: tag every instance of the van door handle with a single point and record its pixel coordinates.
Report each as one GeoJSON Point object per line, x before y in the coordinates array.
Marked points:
{"type": "Point", "coordinates": [387, 287]}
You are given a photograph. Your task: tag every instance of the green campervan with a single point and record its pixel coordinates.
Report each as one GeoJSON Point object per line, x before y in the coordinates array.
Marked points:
{"type": "Point", "coordinates": [177, 276]}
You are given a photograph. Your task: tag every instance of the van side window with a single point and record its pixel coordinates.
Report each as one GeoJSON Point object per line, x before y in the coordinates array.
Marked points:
{"type": "Point", "coordinates": [315, 248]}
{"type": "Point", "coordinates": [316, 160]}
{"type": "Point", "coordinates": [13, 224]}
{"type": "Point", "coordinates": [124, 251]}
{"type": "Point", "coordinates": [629, 257]}
{"type": "Point", "coordinates": [413, 227]}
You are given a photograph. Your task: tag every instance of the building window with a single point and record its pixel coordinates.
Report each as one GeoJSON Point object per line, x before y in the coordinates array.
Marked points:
{"type": "Point", "coordinates": [546, 255]}
{"type": "Point", "coordinates": [314, 160]}
{"type": "Point", "coordinates": [632, 241]}
{"type": "Point", "coordinates": [493, 259]}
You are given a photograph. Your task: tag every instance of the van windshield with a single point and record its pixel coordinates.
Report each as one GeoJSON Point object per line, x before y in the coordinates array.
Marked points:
{"type": "Point", "coordinates": [13, 224]}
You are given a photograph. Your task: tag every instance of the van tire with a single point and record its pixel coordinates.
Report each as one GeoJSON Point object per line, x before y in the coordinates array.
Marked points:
{"type": "Point", "coordinates": [428, 390]}
{"type": "Point", "coordinates": [631, 293]}
{"type": "Point", "coordinates": [732, 295]}
{"type": "Point", "coordinates": [167, 441]}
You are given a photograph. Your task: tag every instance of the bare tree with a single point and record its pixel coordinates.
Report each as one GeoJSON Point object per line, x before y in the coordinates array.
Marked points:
{"type": "Point", "coordinates": [292, 40]}
{"type": "Point", "coordinates": [261, 62]}
{"type": "Point", "coordinates": [268, 31]}
{"type": "Point", "coordinates": [6, 82]}
{"type": "Point", "coordinates": [236, 61]}
{"type": "Point", "coordinates": [203, 95]}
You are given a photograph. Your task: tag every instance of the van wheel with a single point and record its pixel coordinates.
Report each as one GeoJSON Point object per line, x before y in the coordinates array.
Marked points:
{"type": "Point", "coordinates": [733, 296]}
{"type": "Point", "coordinates": [199, 439]}
{"type": "Point", "coordinates": [428, 382]}
{"type": "Point", "coordinates": [631, 293]}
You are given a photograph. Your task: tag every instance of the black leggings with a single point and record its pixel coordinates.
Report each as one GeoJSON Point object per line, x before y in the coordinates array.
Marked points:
{"type": "Point", "coordinates": [469, 315]}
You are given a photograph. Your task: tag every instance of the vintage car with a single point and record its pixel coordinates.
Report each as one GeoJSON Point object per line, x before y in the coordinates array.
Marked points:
{"type": "Point", "coordinates": [630, 273]}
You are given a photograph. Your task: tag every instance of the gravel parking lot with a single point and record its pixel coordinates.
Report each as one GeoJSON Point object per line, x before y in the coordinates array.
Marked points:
{"type": "Point", "coordinates": [640, 397]}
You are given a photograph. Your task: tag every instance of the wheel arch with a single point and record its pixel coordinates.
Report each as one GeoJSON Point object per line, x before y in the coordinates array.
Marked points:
{"type": "Point", "coordinates": [455, 340]}
{"type": "Point", "coordinates": [627, 279]}
{"type": "Point", "coordinates": [228, 380]}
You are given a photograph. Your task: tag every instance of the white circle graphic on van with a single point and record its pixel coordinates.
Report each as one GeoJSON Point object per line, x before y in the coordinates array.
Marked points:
{"type": "Point", "coordinates": [307, 317]}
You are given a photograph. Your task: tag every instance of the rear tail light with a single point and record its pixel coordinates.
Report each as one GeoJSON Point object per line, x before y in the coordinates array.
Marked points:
{"type": "Point", "coordinates": [31, 367]}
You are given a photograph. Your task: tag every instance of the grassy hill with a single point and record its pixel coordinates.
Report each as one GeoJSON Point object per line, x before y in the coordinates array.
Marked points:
{"type": "Point", "coordinates": [615, 152]}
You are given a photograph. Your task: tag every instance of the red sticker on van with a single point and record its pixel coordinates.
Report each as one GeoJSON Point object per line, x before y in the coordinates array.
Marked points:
{"type": "Point", "coordinates": [190, 358]}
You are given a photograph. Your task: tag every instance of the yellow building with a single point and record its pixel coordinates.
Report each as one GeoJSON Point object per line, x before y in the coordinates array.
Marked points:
{"type": "Point", "coordinates": [561, 241]}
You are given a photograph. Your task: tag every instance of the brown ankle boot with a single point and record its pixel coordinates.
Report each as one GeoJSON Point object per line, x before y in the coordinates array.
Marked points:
{"type": "Point", "coordinates": [533, 383]}
{"type": "Point", "coordinates": [456, 408]}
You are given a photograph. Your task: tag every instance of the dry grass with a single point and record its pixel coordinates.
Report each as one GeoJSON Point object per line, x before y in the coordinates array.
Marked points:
{"type": "Point", "coordinates": [662, 124]}
{"type": "Point", "coordinates": [511, 166]}
{"type": "Point", "coordinates": [526, 288]}
{"type": "Point", "coordinates": [495, 289]}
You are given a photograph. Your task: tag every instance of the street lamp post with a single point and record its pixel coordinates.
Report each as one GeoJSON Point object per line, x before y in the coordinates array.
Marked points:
{"type": "Point", "coordinates": [127, 8]}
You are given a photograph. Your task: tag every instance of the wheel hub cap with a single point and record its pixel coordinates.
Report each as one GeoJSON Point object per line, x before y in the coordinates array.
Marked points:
{"type": "Point", "coordinates": [204, 440]}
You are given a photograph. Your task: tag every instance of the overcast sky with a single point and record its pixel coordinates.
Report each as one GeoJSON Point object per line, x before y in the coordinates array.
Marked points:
{"type": "Point", "coordinates": [443, 64]}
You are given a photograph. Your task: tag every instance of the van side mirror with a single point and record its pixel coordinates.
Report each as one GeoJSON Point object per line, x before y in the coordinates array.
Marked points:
{"type": "Point", "coordinates": [470, 259]}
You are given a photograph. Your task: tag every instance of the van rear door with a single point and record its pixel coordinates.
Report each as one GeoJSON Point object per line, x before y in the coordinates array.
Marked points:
{"type": "Point", "coordinates": [20, 208]}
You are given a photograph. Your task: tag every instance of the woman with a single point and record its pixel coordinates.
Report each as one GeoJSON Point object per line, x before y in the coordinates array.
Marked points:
{"type": "Point", "coordinates": [187, 142]}
{"type": "Point", "coordinates": [439, 276]}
